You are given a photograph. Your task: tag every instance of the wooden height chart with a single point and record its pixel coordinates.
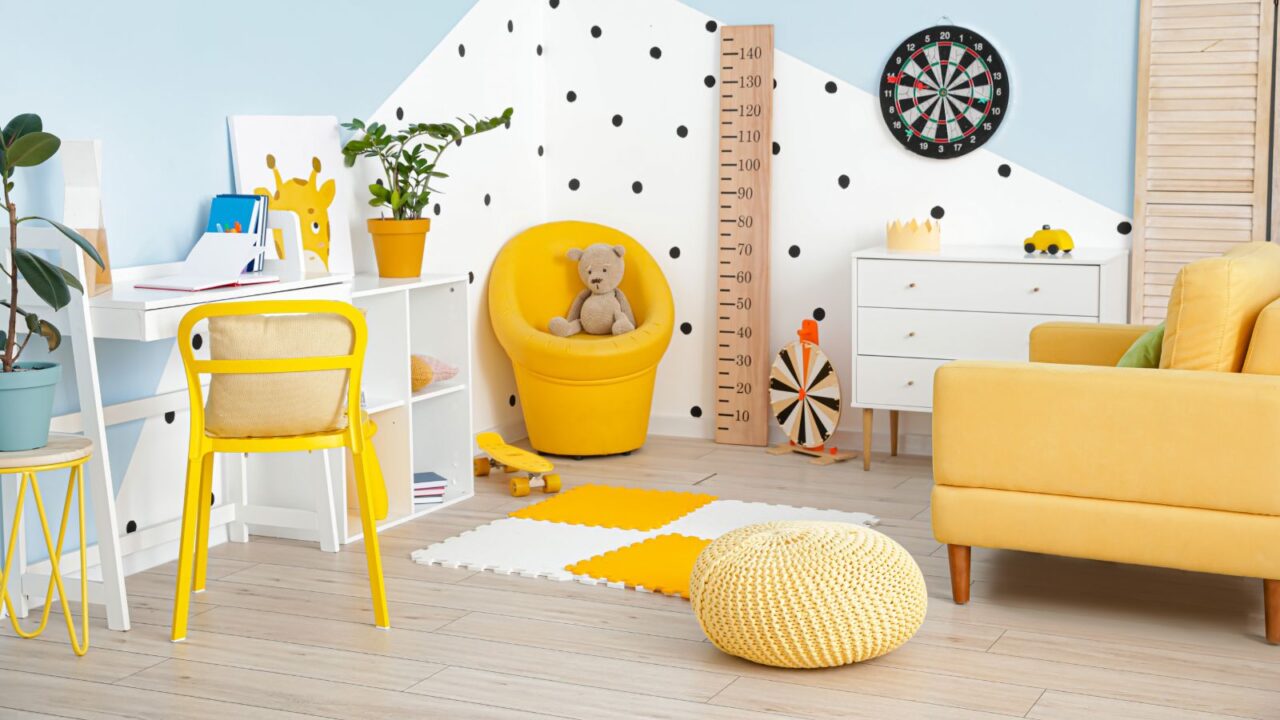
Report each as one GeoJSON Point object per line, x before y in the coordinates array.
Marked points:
{"type": "Point", "coordinates": [742, 269]}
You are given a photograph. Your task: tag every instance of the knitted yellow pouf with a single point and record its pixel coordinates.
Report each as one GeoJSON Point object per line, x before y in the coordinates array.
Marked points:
{"type": "Point", "coordinates": [807, 594]}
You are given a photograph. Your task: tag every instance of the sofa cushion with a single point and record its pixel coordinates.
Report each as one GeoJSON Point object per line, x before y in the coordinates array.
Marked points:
{"type": "Point", "coordinates": [1213, 307]}
{"type": "Point", "coordinates": [1264, 345]}
{"type": "Point", "coordinates": [1145, 351]}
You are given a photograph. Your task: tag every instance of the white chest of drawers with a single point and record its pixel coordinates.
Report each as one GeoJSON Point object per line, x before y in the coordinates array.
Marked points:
{"type": "Point", "coordinates": [914, 311]}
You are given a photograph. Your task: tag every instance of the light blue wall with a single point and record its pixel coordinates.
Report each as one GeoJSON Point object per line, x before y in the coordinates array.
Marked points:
{"type": "Point", "coordinates": [1072, 67]}
{"type": "Point", "coordinates": [155, 81]}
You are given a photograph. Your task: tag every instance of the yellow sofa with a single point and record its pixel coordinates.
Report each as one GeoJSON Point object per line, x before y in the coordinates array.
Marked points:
{"type": "Point", "coordinates": [1175, 467]}
{"type": "Point", "coordinates": [586, 394]}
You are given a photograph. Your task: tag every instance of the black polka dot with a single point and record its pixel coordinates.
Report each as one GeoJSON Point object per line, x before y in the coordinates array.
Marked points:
{"type": "Point", "coordinates": [637, 187]}
{"type": "Point", "coordinates": [617, 121]}
{"type": "Point", "coordinates": [776, 148]}
{"type": "Point", "coordinates": [511, 27]}
{"type": "Point", "coordinates": [539, 49]}
{"type": "Point", "coordinates": [709, 81]}
{"type": "Point", "coordinates": [170, 416]}
{"type": "Point", "coordinates": [540, 151]}
{"type": "Point", "coordinates": [937, 212]}
{"type": "Point", "coordinates": [843, 180]}
{"type": "Point", "coordinates": [1004, 170]}
{"type": "Point", "coordinates": [775, 83]}
{"type": "Point", "coordinates": [596, 31]}
{"type": "Point", "coordinates": [197, 342]}
{"type": "Point", "coordinates": [471, 277]}
{"type": "Point", "coordinates": [686, 328]}
{"type": "Point", "coordinates": [674, 252]}
{"type": "Point", "coordinates": [1124, 228]}
{"type": "Point", "coordinates": [794, 251]}
{"type": "Point", "coordinates": [554, 4]}
{"type": "Point", "coordinates": [213, 498]}
{"type": "Point", "coordinates": [436, 209]}
{"type": "Point", "coordinates": [399, 113]}
{"type": "Point", "coordinates": [819, 314]}
{"type": "Point", "coordinates": [711, 26]}
{"type": "Point", "coordinates": [574, 184]}
{"type": "Point", "coordinates": [511, 401]}
{"type": "Point", "coordinates": [462, 50]}
{"type": "Point", "coordinates": [487, 199]}
{"type": "Point", "coordinates": [695, 411]}
{"type": "Point", "coordinates": [379, 181]}
{"type": "Point", "coordinates": [571, 96]}
{"type": "Point", "coordinates": [682, 131]}
{"type": "Point", "coordinates": [831, 87]}
{"type": "Point", "coordinates": [131, 526]}
{"type": "Point", "coordinates": [655, 52]}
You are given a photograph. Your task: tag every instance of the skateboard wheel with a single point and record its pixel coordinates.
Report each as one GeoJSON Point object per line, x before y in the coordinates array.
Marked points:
{"type": "Point", "coordinates": [519, 486]}
{"type": "Point", "coordinates": [482, 466]}
{"type": "Point", "coordinates": [550, 483]}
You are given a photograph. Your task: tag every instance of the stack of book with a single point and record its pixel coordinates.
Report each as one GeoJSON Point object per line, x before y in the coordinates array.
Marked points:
{"type": "Point", "coordinates": [428, 488]}
{"type": "Point", "coordinates": [241, 214]}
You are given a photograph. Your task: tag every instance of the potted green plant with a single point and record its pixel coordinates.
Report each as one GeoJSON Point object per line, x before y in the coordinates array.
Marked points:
{"type": "Point", "coordinates": [26, 388]}
{"type": "Point", "coordinates": [409, 158]}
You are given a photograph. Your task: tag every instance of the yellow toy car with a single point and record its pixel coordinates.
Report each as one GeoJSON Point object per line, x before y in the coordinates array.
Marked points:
{"type": "Point", "coordinates": [1048, 240]}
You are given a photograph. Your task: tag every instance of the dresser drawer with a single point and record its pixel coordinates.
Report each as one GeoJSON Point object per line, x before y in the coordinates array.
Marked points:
{"type": "Point", "coordinates": [895, 381]}
{"type": "Point", "coordinates": [1028, 288]}
{"type": "Point", "coordinates": [947, 334]}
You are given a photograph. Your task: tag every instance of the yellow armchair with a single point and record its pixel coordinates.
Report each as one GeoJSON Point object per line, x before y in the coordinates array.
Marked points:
{"type": "Point", "coordinates": [1177, 468]}
{"type": "Point", "coordinates": [586, 394]}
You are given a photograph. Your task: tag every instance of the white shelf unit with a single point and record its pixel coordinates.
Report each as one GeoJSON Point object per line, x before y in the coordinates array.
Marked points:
{"type": "Point", "coordinates": [427, 431]}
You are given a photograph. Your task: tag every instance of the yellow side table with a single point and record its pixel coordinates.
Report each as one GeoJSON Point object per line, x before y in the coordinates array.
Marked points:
{"type": "Point", "coordinates": [62, 452]}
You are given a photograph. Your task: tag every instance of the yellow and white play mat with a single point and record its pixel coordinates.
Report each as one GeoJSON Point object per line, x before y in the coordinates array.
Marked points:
{"type": "Point", "coordinates": [614, 536]}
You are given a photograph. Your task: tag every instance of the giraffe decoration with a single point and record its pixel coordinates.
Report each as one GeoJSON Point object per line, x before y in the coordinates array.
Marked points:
{"type": "Point", "coordinates": [311, 203]}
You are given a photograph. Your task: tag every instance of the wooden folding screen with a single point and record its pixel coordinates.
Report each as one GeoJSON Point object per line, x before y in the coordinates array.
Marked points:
{"type": "Point", "coordinates": [1203, 159]}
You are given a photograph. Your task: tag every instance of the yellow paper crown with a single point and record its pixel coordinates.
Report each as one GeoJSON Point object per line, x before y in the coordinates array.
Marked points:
{"type": "Point", "coordinates": [913, 235]}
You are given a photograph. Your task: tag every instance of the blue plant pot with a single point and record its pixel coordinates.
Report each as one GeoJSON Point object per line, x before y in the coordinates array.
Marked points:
{"type": "Point", "coordinates": [26, 405]}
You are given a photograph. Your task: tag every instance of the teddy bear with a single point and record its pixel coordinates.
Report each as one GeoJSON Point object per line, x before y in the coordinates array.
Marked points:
{"type": "Point", "coordinates": [602, 308]}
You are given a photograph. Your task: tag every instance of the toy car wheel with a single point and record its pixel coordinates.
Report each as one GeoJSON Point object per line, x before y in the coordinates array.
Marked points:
{"type": "Point", "coordinates": [519, 486]}
{"type": "Point", "coordinates": [550, 483]}
{"type": "Point", "coordinates": [1053, 249]}
{"type": "Point", "coordinates": [482, 466]}
{"type": "Point", "coordinates": [1029, 247]}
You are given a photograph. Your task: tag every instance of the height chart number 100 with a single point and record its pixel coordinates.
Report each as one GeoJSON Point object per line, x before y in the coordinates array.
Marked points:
{"type": "Point", "coordinates": [742, 235]}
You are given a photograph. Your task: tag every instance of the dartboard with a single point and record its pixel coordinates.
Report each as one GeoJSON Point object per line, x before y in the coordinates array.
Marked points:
{"type": "Point", "coordinates": [944, 91]}
{"type": "Point", "coordinates": [804, 393]}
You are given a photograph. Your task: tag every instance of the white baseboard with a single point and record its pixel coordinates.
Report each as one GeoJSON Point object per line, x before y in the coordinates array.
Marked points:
{"type": "Point", "coordinates": [908, 443]}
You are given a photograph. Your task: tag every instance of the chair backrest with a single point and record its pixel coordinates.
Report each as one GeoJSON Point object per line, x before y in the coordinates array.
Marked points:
{"type": "Point", "coordinates": [280, 368]}
{"type": "Point", "coordinates": [534, 271]}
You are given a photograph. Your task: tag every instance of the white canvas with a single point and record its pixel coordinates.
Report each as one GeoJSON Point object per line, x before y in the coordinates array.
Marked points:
{"type": "Point", "coordinates": [297, 161]}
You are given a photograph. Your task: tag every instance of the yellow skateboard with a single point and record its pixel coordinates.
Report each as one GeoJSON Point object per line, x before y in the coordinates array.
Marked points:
{"type": "Point", "coordinates": [498, 454]}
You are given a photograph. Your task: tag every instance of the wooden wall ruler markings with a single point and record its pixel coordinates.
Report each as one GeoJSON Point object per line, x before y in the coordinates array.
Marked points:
{"type": "Point", "coordinates": [742, 235]}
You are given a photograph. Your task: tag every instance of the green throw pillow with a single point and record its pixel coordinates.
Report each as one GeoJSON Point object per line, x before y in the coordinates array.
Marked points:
{"type": "Point", "coordinates": [1145, 351]}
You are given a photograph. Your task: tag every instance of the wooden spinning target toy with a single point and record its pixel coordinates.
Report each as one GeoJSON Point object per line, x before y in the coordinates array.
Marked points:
{"type": "Point", "coordinates": [804, 394]}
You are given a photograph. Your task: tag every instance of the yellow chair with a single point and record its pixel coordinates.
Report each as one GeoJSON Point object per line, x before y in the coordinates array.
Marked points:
{"type": "Point", "coordinates": [248, 396]}
{"type": "Point", "coordinates": [1172, 467]}
{"type": "Point", "coordinates": [586, 394]}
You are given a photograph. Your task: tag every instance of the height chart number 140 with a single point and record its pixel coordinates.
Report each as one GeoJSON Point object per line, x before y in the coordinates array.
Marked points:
{"type": "Point", "coordinates": [742, 235]}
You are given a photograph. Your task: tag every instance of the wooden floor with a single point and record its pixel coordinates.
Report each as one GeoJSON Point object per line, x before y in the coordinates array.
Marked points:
{"type": "Point", "coordinates": [284, 630]}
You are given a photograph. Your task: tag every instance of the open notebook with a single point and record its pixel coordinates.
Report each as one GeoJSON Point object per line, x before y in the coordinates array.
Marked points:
{"type": "Point", "coordinates": [217, 260]}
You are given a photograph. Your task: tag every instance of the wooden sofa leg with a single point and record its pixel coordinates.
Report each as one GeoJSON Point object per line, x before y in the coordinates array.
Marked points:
{"type": "Point", "coordinates": [1271, 603]}
{"type": "Point", "coordinates": [958, 555]}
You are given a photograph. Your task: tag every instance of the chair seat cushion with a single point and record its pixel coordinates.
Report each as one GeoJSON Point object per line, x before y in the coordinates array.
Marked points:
{"type": "Point", "coordinates": [277, 404]}
{"type": "Point", "coordinates": [1213, 307]}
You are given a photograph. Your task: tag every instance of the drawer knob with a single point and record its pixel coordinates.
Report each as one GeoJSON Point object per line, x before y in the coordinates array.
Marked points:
{"type": "Point", "coordinates": [1035, 289]}
{"type": "Point", "coordinates": [911, 334]}
{"type": "Point", "coordinates": [910, 383]}
{"type": "Point", "coordinates": [910, 285]}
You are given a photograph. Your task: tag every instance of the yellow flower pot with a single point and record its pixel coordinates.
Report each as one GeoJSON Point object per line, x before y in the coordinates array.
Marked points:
{"type": "Point", "coordinates": [398, 246]}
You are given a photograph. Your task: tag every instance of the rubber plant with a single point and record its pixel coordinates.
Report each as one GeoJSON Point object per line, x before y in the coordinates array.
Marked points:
{"type": "Point", "coordinates": [24, 143]}
{"type": "Point", "coordinates": [409, 159]}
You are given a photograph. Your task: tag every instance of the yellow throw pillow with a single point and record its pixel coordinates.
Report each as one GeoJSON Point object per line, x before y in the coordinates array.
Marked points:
{"type": "Point", "coordinates": [1213, 307]}
{"type": "Point", "coordinates": [277, 404]}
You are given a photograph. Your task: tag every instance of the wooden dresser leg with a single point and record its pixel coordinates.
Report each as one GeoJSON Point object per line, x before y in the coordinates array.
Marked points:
{"type": "Point", "coordinates": [866, 438]}
{"type": "Point", "coordinates": [893, 433]}
{"type": "Point", "coordinates": [1271, 603]}
{"type": "Point", "coordinates": [958, 556]}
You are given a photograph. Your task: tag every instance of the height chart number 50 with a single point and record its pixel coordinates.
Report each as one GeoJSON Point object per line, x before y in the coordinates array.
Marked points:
{"type": "Point", "coordinates": [742, 235]}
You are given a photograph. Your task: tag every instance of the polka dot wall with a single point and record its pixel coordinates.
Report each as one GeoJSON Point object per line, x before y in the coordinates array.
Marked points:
{"type": "Point", "coordinates": [616, 123]}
